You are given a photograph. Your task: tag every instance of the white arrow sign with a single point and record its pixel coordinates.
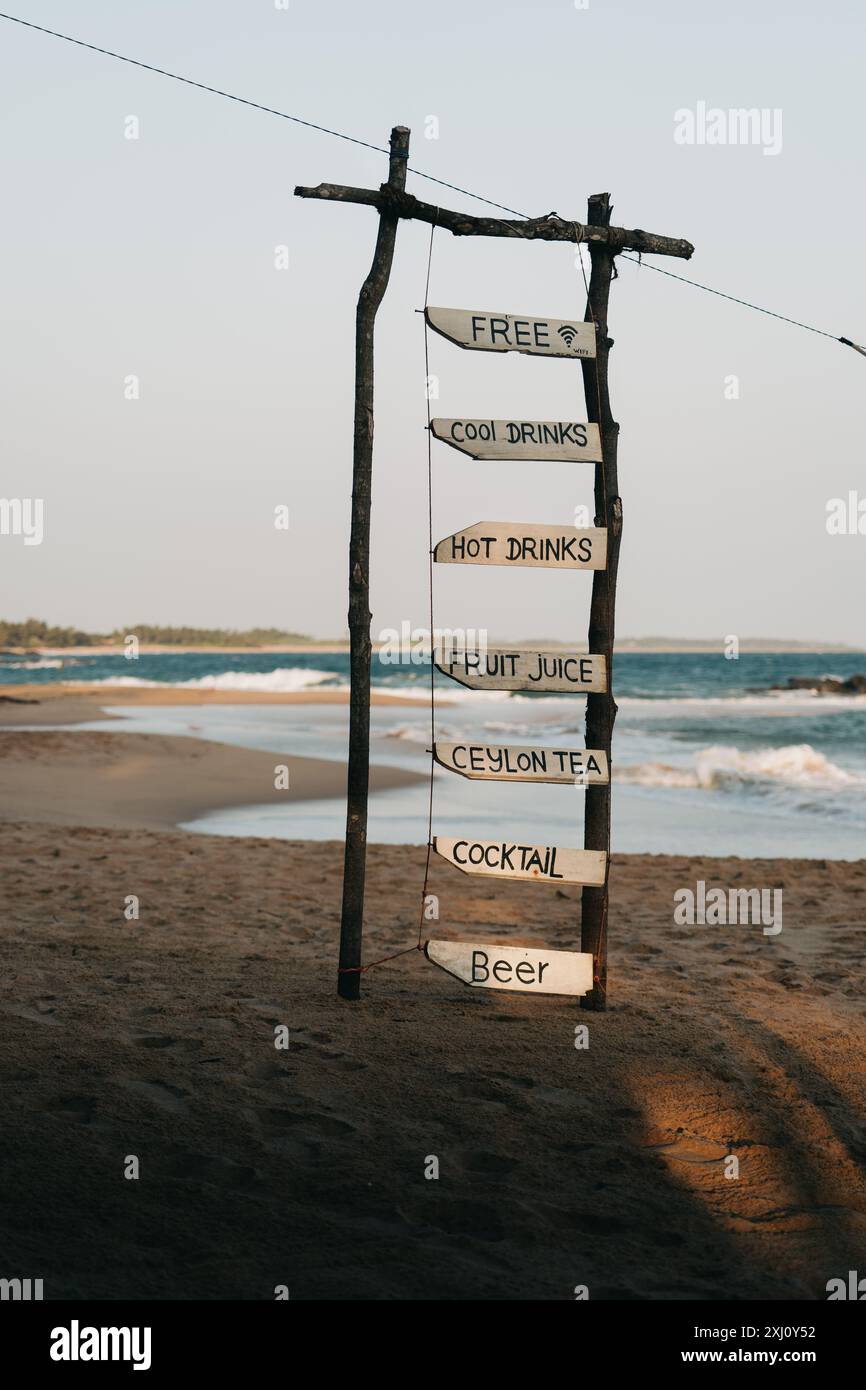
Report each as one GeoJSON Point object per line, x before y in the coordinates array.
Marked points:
{"type": "Point", "coordinates": [514, 967]}
{"type": "Point", "coordinates": [525, 545]}
{"type": "Point", "coordinates": [519, 763]}
{"type": "Point", "coordinates": [473, 328]}
{"type": "Point", "coordinates": [498, 668]}
{"type": "Point", "coordinates": [540, 863]}
{"type": "Point", "coordinates": [565, 440]}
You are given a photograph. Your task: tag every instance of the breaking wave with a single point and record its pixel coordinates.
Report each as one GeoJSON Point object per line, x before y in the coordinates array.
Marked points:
{"type": "Point", "coordinates": [722, 767]}
{"type": "Point", "coordinates": [284, 680]}
{"type": "Point", "coordinates": [45, 664]}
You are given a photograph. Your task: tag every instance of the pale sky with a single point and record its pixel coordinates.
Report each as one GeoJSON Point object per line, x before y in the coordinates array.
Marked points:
{"type": "Point", "coordinates": [155, 257]}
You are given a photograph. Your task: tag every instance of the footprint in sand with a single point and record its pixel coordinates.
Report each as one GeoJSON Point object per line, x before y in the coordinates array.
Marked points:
{"type": "Point", "coordinates": [214, 1169]}
{"type": "Point", "coordinates": [165, 1097]}
{"type": "Point", "coordinates": [81, 1109]}
{"type": "Point", "coordinates": [304, 1041]}
{"type": "Point", "coordinates": [686, 1148]}
{"type": "Point", "coordinates": [155, 1040]}
{"type": "Point", "coordinates": [327, 1126]}
{"type": "Point", "coordinates": [35, 1015]}
{"type": "Point", "coordinates": [486, 1163]}
{"type": "Point", "coordinates": [470, 1220]}
{"type": "Point", "coordinates": [590, 1223]}
{"type": "Point", "coordinates": [497, 1088]}
{"type": "Point", "coordinates": [573, 1147]}
{"type": "Point", "coordinates": [523, 1083]}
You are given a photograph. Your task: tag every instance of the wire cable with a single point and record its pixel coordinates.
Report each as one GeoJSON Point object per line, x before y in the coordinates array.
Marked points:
{"type": "Point", "coordinates": [256, 106]}
{"type": "Point", "coordinates": [381, 149]}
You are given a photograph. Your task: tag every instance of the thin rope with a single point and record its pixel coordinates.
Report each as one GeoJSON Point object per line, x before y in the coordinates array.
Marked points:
{"type": "Point", "coordinates": [362, 969]}
{"type": "Point", "coordinates": [429, 587]}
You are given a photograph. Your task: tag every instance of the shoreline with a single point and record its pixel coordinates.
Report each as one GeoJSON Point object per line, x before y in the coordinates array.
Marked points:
{"type": "Point", "coordinates": [134, 781]}
{"type": "Point", "coordinates": [72, 702]}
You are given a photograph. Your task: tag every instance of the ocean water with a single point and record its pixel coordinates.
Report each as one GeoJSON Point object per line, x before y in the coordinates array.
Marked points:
{"type": "Point", "coordinates": [708, 758]}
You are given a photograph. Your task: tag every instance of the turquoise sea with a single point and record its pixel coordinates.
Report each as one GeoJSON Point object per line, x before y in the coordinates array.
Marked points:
{"type": "Point", "coordinates": [708, 758]}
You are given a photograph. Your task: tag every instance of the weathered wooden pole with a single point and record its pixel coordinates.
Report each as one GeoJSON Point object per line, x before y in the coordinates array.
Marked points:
{"type": "Point", "coordinates": [601, 708]}
{"type": "Point", "coordinates": [355, 863]}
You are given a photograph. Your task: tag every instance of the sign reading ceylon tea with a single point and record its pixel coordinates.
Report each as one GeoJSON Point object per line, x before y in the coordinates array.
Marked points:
{"type": "Point", "coordinates": [523, 544]}
{"type": "Point", "coordinates": [473, 328]}
{"type": "Point", "coordinates": [499, 668]}
{"type": "Point", "coordinates": [568, 441]}
{"type": "Point", "coordinates": [513, 967]}
{"type": "Point", "coordinates": [539, 863]}
{"type": "Point", "coordinates": [519, 763]}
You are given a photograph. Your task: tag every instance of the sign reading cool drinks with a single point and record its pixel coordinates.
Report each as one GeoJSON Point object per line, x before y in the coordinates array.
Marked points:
{"type": "Point", "coordinates": [514, 967]}
{"type": "Point", "coordinates": [565, 440]}
{"type": "Point", "coordinates": [512, 543]}
{"type": "Point", "coordinates": [500, 669]}
{"type": "Point", "coordinates": [516, 763]}
{"type": "Point", "coordinates": [501, 859]}
{"type": "Point", "coordinates": [472, 328]}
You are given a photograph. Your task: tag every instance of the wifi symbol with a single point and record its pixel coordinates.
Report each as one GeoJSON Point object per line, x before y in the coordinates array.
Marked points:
{"type": "Point", "coordinates": [568, 334]}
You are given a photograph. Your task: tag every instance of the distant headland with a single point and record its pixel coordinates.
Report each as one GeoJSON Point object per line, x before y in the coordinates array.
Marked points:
{"type": "Point", "coordinates": [33, 635]}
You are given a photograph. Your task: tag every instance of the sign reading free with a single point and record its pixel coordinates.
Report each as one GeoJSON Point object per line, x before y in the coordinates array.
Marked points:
{"type": "Point", "coordinates": [473, 328]}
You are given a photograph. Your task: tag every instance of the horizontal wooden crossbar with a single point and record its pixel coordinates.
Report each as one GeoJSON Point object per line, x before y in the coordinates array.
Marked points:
{"type": "Point", "coordinates": [550, 228]}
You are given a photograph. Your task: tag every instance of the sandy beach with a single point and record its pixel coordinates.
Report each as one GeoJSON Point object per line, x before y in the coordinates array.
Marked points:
{"type": "Point", "coordinates": [558, 1167]}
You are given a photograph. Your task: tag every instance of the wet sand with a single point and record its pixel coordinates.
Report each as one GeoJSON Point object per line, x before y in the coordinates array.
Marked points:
{"type": "Point", "coordinates": [154, 781]}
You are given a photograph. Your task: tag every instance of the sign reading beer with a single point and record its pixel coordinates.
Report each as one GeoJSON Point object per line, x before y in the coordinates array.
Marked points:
{"type": "Point", "coordinates": [516, 763]}
{"type": "Point", "coordinates": [497, 668]}
{"type": "Point", "coordinates": [514, 967]}
{"type": "Point", "coordinates": [472, 328]}
{"type": "Point", "coordinates": [516, 543]}
{"type": "Point", "coordinates": [565, 440]}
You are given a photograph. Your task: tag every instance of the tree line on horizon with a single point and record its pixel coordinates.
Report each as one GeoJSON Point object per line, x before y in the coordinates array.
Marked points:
{"type": "Point", "coordinates": [32, 632]}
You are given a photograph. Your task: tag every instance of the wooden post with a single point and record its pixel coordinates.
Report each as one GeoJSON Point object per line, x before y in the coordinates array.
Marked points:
{"type": "Point", "coordinates": [355, 863]}
{"type": "Point", "coordinates": [600, 708]}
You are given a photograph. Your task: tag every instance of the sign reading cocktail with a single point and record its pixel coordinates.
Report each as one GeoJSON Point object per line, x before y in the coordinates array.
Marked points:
{"type": "Point", "coordinates": [540, 863]}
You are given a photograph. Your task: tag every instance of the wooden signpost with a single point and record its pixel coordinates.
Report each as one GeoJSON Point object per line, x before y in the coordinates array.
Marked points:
{"type": "Point", "coordinates": [512, 543]}
{"type": "Point", "coordinates": [514, 967]}
{"type": "Point", "coordinates": [581, 973]}
{"type": "Point", "coordinates": [566, 441]}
